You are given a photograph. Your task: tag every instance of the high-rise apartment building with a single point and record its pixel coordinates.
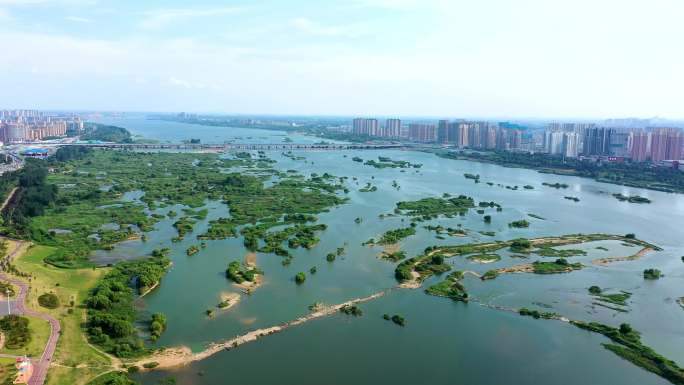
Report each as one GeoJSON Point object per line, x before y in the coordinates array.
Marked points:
{"type": "Point", "coordinates": [666, 144]}
{"type": "Point", "coordinates": [364, 126]}
{"type": "Point", "coordinates": [640, 146]}
{"type": "Point", "coordinates": [422, 132]}
{"type": "Point", "coordinates": [570, 144]}
{"type": "Point", "coordinates": [392, 128]}
{"type": "Point", "coordinates": [443, 132]}
{"type": "Point", "coordinates": [596, 141]}
{"type": "Point", "coordinates": [29, 125]}
{"type": "Point", "coordinates": [619, 144]}
{"type": "Point", "coordinates": [462, 139]}
{"type": "Point", "coordinates": [553, 142]}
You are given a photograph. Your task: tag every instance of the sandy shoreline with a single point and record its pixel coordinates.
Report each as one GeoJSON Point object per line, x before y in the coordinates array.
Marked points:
{"type": "Point", "coordinates": [606, 261]}
{"type": "Point", "coordinates": [250, 259]}
{"type": "Point", "coordinates": [248, 286]}
{"type": "Point", "coordinates": [179, 356]}
{"type": "Point", "coordinates": [228, 300]}
{"type": "Point", "coordinates": [413, 283]}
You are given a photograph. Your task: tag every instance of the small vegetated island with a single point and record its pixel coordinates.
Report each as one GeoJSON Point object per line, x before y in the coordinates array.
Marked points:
{"type": "Point", "coordinates": [368, 188]}
{"type": "Point", "coordinates": [652, 274]}
{"type": "Point", "coordinates": [239, 274]}
{"type": "Point", "coordinates": [519, 224]}
{"type": "Point", "coordinates": [613, 301]}
{"type": "Point", "coordinates": [440, 230]}
{"type": "Point", "coordinates": [631, 199]}
{"type": "Point", "coordinates": [556, 185]}
{"type": "Point", "coordinates": [432, 208]}
{"type": "Point", "coordinates": [451, 287]}
{"type": "Point", "coordinates": [385, 162]}
{"type": "Point", "coordinates": [431, 262]}
{"type": "Point", "coordinates": [474, 177]}
{"type": "Point", "coordinates": [391, 237]}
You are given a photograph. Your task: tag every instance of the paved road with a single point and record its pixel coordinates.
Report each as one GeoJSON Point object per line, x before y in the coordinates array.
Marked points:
{"type": "Point", "coordinates": [40, 366]}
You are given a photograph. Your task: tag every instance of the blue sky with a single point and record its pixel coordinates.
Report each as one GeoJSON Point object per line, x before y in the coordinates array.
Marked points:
{"type": "Point", "coordinates": [484, 58]}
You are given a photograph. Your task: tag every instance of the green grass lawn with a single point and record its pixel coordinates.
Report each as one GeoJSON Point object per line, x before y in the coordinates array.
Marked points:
{"type": "Point", "coordinates": [40, 332]}
{"type": "Point", "coordinates": [69, 285]}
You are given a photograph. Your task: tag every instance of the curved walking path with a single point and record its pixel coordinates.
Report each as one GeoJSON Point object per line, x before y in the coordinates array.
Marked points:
{"type": "Point", "coordinates": [40, 366]}
{"type": "Point", "coordinates": [7, 200]}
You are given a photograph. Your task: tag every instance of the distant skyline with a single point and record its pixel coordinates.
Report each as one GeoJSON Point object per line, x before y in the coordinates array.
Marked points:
{"type": "Point", "coordinates": [493, 58]}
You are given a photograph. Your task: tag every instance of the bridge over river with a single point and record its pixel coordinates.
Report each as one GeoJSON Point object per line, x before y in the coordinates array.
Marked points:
{"type": "Point", "coordinates": [234, 146]}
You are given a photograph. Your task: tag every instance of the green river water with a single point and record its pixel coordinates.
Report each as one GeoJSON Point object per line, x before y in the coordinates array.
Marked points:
{"type": "Point", "coordinates": [444, 342]}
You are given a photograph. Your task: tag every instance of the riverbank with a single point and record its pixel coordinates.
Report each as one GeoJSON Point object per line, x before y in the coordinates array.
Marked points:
{"type": "Point", "coordinates": [623, 174]}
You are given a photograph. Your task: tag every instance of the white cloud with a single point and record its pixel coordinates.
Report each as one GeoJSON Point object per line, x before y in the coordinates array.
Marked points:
{"type": "Point", "coordinates": [311, 27]}
{"type": "Point", "coordinates": [48, 2]}
{"type": "Point", "coordinates": [78, 19]}
{"type": "Point", "coordinates": [162, 17]}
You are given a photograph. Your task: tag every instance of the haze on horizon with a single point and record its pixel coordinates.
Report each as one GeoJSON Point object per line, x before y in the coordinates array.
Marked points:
{"type": "Point", "coordinates": [528, 58]}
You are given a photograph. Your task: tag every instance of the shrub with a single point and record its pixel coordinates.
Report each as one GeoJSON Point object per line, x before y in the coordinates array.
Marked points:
{"type": "Point", "coordinates": [399, 320]}
{"type": "Point", "coordinates": [48, 300]}
{"type": "Point", "coordinates": [595, 290]}
{"type": "Point", "coordinates": [652, 274]}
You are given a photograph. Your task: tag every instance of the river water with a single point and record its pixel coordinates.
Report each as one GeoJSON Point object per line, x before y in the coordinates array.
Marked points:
{"type": "Point", "coordinates": [443, 342]}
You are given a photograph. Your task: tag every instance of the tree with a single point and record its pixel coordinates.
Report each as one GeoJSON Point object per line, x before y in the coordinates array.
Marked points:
{"type": "Point", "coordinates": [625, 328]}
{"type": "Point", "coordinates": [595, 290]}
{"type": "Point", "coordinates": [652, 274]}
{"type": "Point", "coordinates": [488, 218]}
{"type": "Point", "coordinates": [300, 277]}
{"type": "Point", "coordinates": [438, 259]}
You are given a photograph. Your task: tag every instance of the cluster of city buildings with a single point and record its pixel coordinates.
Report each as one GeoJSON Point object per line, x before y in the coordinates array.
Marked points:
{"type": "Point", "coordinates": [18, 126]}
{"type": "Point", "coordinates": [571, 140]}
{"type": "Point", "coordinates": [461, 133]}
{"type": "Point", "coordinates": [588, 139]}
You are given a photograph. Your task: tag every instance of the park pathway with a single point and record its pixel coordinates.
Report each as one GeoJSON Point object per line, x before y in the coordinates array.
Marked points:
{"type": "Point", "coordinates": [40, 366]}
{"type": "Point", "coordinates": [7, 200]}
